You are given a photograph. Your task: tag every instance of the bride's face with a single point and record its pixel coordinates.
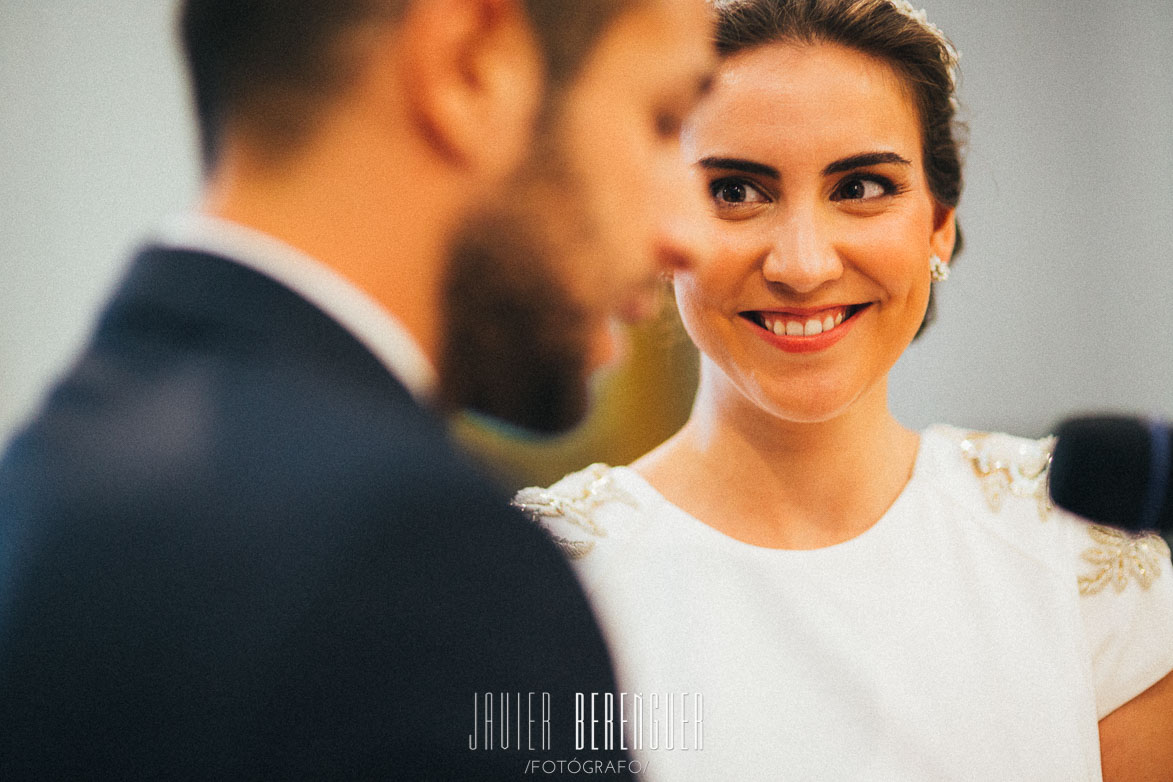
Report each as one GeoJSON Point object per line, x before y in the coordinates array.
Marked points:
{"type": "Point", "coordinates": [824, 225]}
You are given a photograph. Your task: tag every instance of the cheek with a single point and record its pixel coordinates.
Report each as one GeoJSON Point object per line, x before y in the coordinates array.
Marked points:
{"type": "Point", "coordinates": [730, 269]}
{"type": "Point", "coordinates": [688, 297]}
{"type": "Point", "coordinates": [724, 283]}
{"type": "Point", "coordinates": [896, 257]}
{"type": "Point", "coordinates": [898, 265]}
{"type": "Point", "coordinates": [703, 308]}
{"type": "Point", "coordinates": [622, 202]}
{"type": "Point", "coordinates": [640, 189]}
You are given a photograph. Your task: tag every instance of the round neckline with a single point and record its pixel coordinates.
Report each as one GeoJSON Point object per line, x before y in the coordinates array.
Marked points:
{"type": "Point", "coordinates": [879, 529]}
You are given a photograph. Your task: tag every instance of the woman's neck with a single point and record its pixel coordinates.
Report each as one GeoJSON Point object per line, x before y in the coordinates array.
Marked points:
{"type": "Point", "coordinates": [780, 484]}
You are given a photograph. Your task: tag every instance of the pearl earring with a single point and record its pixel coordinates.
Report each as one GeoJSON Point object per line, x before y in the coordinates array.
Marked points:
{"type": "Point", "coordinates": [938, 269]}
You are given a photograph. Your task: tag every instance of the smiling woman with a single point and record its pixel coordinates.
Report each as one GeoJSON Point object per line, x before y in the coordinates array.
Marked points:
{"type": "Point", "coordinates": [854, 599]}
{"type": "Point", "coordinates": [829, 215]}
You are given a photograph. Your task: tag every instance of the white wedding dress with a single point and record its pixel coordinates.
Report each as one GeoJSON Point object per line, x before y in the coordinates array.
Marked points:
{"type": "Point", "coordinates": [973, 633]}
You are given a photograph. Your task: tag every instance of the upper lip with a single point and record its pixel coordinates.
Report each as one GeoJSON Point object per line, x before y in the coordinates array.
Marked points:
{"type": "Point", "coordinates": [805, 312]}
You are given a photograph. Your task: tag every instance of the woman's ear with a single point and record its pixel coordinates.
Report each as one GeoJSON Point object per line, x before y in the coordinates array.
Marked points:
{"type": "Point", "coordinates": [474, 79]}
{"type": "Point", "coordinates": [944, 237]}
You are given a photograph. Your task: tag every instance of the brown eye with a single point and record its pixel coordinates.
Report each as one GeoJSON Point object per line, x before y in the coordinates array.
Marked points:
{"type": "Point", "coordinates": [735, 191]}
{"type": "Point", "coordinates": [860, 188]}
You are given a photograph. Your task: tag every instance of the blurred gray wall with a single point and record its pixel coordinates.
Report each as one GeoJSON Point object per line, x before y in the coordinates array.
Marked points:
{"type": "Point", "coordinates": [96, 146]}
{"type": "Point", "coordinates": [1061, 299]}
{"type": "Point", "coordinates": [1060, 302]}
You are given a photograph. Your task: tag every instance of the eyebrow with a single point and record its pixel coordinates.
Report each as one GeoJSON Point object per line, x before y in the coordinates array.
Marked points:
{"type": "Point", "coordinates": [737, 164]}
{"type": "Point", "coordinates": [863, 161]}
{"type": "Point", "coordinates": [838, 167]}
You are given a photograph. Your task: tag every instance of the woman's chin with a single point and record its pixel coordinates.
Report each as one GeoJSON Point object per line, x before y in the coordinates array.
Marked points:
{"type": "Point", "coordinates": [803, 410]}
{"type": "Point", "coordinates": [815, 403]}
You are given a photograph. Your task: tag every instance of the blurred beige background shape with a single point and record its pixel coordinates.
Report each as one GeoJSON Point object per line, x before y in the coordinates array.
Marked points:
{"type": "Point", "coordinates": [639, 403]}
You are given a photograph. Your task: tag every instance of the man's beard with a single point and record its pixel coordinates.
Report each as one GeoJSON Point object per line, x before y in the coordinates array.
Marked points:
{"type": "Point", "coordinates": [515, 341]}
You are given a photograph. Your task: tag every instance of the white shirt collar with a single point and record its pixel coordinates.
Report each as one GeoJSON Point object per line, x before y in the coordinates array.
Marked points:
{"type": "Point", "coordinates": [358, 313]}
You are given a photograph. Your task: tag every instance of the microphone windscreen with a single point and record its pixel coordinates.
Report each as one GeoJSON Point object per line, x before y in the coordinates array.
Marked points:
{"type": "Point", "coordinates": [1113, 470]}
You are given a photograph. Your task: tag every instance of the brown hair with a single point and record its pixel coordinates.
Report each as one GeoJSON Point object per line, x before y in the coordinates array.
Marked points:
{"type": "Point", "coordinates": [272, 64]}
{"type": "Point", "coordinates": [889, 30]}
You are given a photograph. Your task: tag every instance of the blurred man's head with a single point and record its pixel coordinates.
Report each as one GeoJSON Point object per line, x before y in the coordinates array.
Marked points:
{"type": "Point", "coordinates": [274, 65]}
{"type": "Point", "coordinates": [529, 145]}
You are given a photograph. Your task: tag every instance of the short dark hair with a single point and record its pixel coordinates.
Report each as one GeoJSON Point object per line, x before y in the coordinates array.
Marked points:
{"type": "Point", "coordinates": [271, 65]}
{"type": "Point", "coordinates": [889, 30]}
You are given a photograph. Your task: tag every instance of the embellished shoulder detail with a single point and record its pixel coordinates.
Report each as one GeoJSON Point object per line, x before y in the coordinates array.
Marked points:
{"type": "Point", "coordinates": [1119, 557]}
{"type": "Point", "coordinates": [574, 500]}
{"type": "Point", "coordinates": [1007, 465]}
{"type": "Point", "coordinates": [1014, 465]}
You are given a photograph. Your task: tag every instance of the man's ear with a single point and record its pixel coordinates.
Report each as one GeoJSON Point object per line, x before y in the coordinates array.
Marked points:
{"type": "Point", "coordinates": [474, 79]}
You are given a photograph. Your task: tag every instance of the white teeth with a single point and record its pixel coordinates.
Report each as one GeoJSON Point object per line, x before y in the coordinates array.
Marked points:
{"type": "Point", "coordinates": [809, 328]}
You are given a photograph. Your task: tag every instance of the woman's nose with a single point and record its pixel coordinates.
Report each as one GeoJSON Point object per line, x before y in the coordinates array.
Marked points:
{"type": "Point", "coordinates": [801, 255]}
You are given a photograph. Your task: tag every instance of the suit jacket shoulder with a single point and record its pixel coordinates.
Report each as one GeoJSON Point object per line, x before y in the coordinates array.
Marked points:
{"type": "Point", "coordinates": [231, 543]}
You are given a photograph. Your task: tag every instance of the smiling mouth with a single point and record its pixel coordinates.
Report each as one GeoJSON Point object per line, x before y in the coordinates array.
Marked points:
{"type": "Point", "coordinates": [807, 324]}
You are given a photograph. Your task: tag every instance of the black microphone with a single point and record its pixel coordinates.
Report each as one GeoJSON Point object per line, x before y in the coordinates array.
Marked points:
{"type": "Point", "coordinates": [1116, 471]}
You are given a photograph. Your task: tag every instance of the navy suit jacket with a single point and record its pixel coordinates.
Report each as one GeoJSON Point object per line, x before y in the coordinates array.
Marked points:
{"type": "Point", "coordinates": [233, 546]}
